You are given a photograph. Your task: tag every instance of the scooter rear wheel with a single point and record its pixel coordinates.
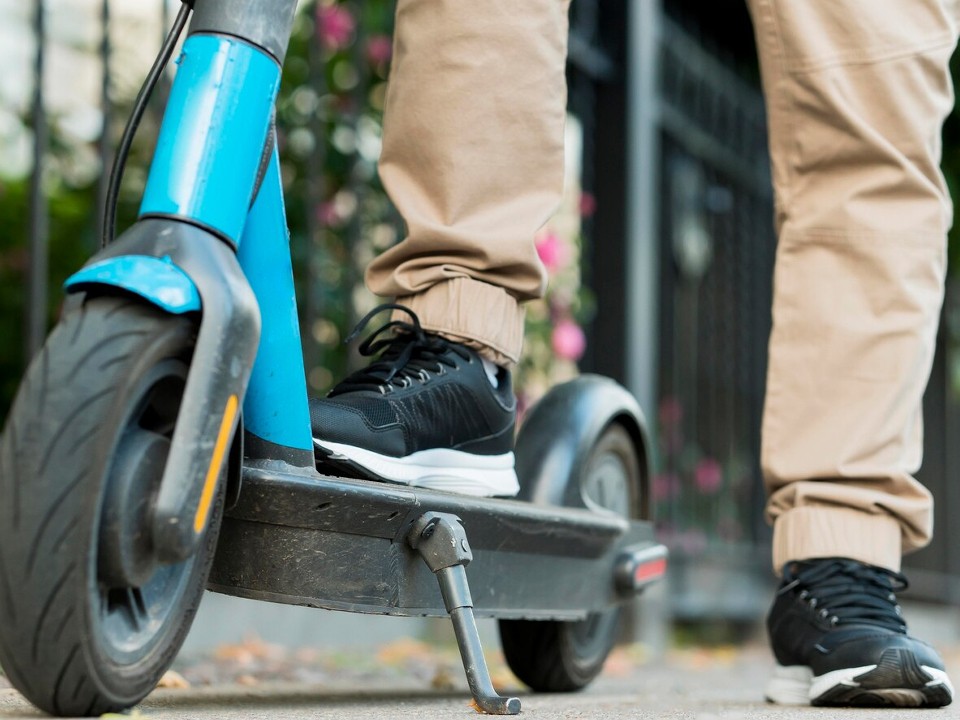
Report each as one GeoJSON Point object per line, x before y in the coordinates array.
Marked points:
{"type": "Point", "coordinates": [555, 656]}
{"type": "Point", "coordinates": [89, 621]}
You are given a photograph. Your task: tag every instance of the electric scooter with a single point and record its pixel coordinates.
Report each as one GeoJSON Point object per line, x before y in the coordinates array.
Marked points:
{"type": "Point", "coordinates": [160, 442]}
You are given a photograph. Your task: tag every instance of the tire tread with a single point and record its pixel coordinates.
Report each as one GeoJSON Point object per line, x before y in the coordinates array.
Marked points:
{"type": "Point", "coordinates": [59, 410]}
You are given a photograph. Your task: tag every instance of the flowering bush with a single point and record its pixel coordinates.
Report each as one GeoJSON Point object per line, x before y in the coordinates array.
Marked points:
{"type": "Point", "coordinates": [554, 341]}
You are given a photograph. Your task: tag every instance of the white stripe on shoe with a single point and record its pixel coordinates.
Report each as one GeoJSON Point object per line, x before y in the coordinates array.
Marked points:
{"type": "Point", "coordinates": [789, 685]}
{"type": "Point", "coordinates": [845, 676]}
{"type": "Point", "coordinates": [437, 469]}
{"type": "Point", "coordinates": [796, 685]}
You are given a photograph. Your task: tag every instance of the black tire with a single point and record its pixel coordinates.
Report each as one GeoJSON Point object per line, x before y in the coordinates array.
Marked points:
{"type": "Point", "coordinates": [555, 656]}
{"type": "Point", "coordinates": [111, 375]}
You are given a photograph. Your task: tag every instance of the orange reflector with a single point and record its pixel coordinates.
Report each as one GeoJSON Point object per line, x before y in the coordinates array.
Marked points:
{"type": "Point", "coordinates": [216, 462]}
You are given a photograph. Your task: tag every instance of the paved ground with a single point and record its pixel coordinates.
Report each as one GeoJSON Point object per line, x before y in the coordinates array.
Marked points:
{"type": "Point", "coordinates": [409, 680]}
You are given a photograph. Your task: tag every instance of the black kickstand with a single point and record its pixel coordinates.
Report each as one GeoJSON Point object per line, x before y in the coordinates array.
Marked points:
{"type": "Point", "coordinates": [442, 542]}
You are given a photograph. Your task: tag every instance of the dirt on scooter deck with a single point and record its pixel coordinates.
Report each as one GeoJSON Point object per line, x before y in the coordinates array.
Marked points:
{"type": "Point", "coordinates": [298, 537]}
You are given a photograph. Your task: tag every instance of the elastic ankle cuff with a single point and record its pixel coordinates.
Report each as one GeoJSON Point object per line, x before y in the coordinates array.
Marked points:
{"type": "Point", "coordinates": [805, 533]}
{"type": "Point", "coordinates": [476, 314]}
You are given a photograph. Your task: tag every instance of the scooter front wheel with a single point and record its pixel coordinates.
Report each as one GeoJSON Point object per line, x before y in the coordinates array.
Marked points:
{"type": "Point", "coordinates": [89, 621]}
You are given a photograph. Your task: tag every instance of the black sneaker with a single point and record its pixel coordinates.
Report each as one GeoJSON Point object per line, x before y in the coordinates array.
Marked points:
{"type": "Point", "coordinates": [423, 413]}
{"type": "Point", "coordinates": [840, 639]}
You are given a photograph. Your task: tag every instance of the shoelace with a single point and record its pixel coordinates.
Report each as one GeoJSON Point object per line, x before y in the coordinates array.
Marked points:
{"type": "Point", "coordinates": [849, 592]}
{"type": "Point", "coordinates": [408, 353]}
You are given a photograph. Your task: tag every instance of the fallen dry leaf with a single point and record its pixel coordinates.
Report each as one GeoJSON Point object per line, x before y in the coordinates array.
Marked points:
{"type": "Point", "coordinates": [248, 651]}
{"type": "Point", "coordinates": [503, 678]}
{"type": "Point", "coordinates": [443, 679]}
{"type": "Point", "coordinates": [400, 651]}
{"type": "Point", "coordinates": [135, 714]}
{"type": "Point", "coordinates": [618, 664]}
{"type": "Point", "coordinates": [172, 680]}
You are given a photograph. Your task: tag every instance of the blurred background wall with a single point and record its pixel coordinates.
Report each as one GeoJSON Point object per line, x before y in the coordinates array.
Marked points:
{"type": "Point", "coordinates": [660, 258]}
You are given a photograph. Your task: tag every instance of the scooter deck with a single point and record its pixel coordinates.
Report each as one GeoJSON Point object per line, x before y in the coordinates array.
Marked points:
{"type": "Point", "coordinates": [297, 537]}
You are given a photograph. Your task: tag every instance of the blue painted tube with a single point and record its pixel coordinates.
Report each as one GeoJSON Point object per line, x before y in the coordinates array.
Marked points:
{"type": "Point", "coordinates": [213, 132]}
{"type": "Point", "coordinates": [275, 408]}
{"type": "Point", "coordinates": [155, 279]}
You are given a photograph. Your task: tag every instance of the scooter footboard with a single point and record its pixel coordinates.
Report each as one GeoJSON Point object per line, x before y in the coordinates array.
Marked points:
{"type": "Point", "coordinates": [299, 538]}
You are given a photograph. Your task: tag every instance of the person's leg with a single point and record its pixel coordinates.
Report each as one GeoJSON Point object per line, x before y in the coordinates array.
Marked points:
{"type": "Point", "coordinates": [473, 159]}
{"type": "Point", "coordinates": [857, 91]}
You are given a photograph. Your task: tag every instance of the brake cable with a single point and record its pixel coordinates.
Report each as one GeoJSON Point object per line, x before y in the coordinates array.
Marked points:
{"type": "Point", "coordinates": [133, 122]}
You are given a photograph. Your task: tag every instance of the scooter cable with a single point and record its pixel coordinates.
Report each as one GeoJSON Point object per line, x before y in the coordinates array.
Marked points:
{"type": "Point", "coordinates": [133, 122]}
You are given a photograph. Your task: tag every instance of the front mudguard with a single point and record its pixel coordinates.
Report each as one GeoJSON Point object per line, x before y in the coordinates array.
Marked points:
{"type": "Point", "coordinates": [220, 369]}
{"type": "Point", "coordinates": [557, 436]}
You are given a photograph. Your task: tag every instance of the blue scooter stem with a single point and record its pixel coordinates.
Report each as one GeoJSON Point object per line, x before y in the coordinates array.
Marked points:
{"type": "Point", "coordinates": [203, 179]}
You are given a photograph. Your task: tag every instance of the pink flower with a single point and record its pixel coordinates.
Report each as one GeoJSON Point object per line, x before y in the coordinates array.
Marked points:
{"type": "Point", "coordinates": [664, 486]}
{"type": "Point", "coordinates": [690, 542]}
{"type": "Point", "coordinates": [327, 214]}
{"type": "Point", "coordinates": [664, 531]}
{"type": "Point", "coordinates": [379, 49]}
{"type": "Point", "coordinates": [671, 411]}
{"type": "Point", "coordinates": [553, 251]}
{"type": "Point", "coordinates": [708, 476]}
{"type": "Point", "coordinates": [729, 529]}
{"type": "Point", "coordinates": [568, 340]}
{"type": "Point", "coordinates": [335, 26]}
{"type": "Point", "coordinates": [672, 439]}
{"type": "Point", "coordinates": [588, 204]}
{"type": "Point", "coordinates": [671, 424]}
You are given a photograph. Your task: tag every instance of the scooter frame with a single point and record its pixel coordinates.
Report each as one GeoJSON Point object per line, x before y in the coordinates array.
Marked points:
{"type": "Point", "coordinates": [211, 240]}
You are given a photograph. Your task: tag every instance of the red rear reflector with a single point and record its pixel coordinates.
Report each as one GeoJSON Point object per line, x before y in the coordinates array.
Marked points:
{"type": "Point", "coordinates": [650, 570]}
{"type": "Point", "coordinates": [638, 566]}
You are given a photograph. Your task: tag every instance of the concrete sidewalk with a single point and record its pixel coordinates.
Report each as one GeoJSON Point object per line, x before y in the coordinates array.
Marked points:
{"type": "Point", "coordinates": [404, 680]}
{"type": "Point", "coordinates": [389, 676]}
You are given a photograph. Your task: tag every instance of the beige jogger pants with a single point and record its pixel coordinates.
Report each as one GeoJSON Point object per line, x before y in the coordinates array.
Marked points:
{"type": "Point", "coordinates": [857, 91]}
{"type": "Point", "coordinates": [473, 159]}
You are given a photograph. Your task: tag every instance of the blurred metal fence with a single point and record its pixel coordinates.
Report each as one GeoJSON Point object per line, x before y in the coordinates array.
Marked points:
{"type": "Point", "coordinates": [934, 572]}
{"type": "Point", "coordinates": [717, 253]}
{"type": "Point", "coordinates": [36, 308]}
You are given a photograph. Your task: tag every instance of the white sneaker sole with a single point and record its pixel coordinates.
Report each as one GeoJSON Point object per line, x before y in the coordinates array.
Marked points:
{"type": "Point", "coordinates": [440, 469]}
{"type": "Point", "coordinates": [796, 685]}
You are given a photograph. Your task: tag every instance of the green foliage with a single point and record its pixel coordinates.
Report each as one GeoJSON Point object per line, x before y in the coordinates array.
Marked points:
{"type": "Point", "coordinates": [71, 223]}
{"type": "Point", "coordinates": [951, 171]}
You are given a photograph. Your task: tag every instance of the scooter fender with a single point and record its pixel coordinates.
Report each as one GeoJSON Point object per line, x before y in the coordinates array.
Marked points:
{"type": "Point", "coordinates": [156, 280]}
{"type": "Point", "coordinates": [557, 436]}
{"type": "Point", "coordinates": [182, 268]}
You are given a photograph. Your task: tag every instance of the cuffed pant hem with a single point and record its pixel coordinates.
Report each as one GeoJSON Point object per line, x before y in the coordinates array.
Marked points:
{"type": "Point", "coordinates": [481, 316]}
{"type": "Point", "coordinates": [805, 533]}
